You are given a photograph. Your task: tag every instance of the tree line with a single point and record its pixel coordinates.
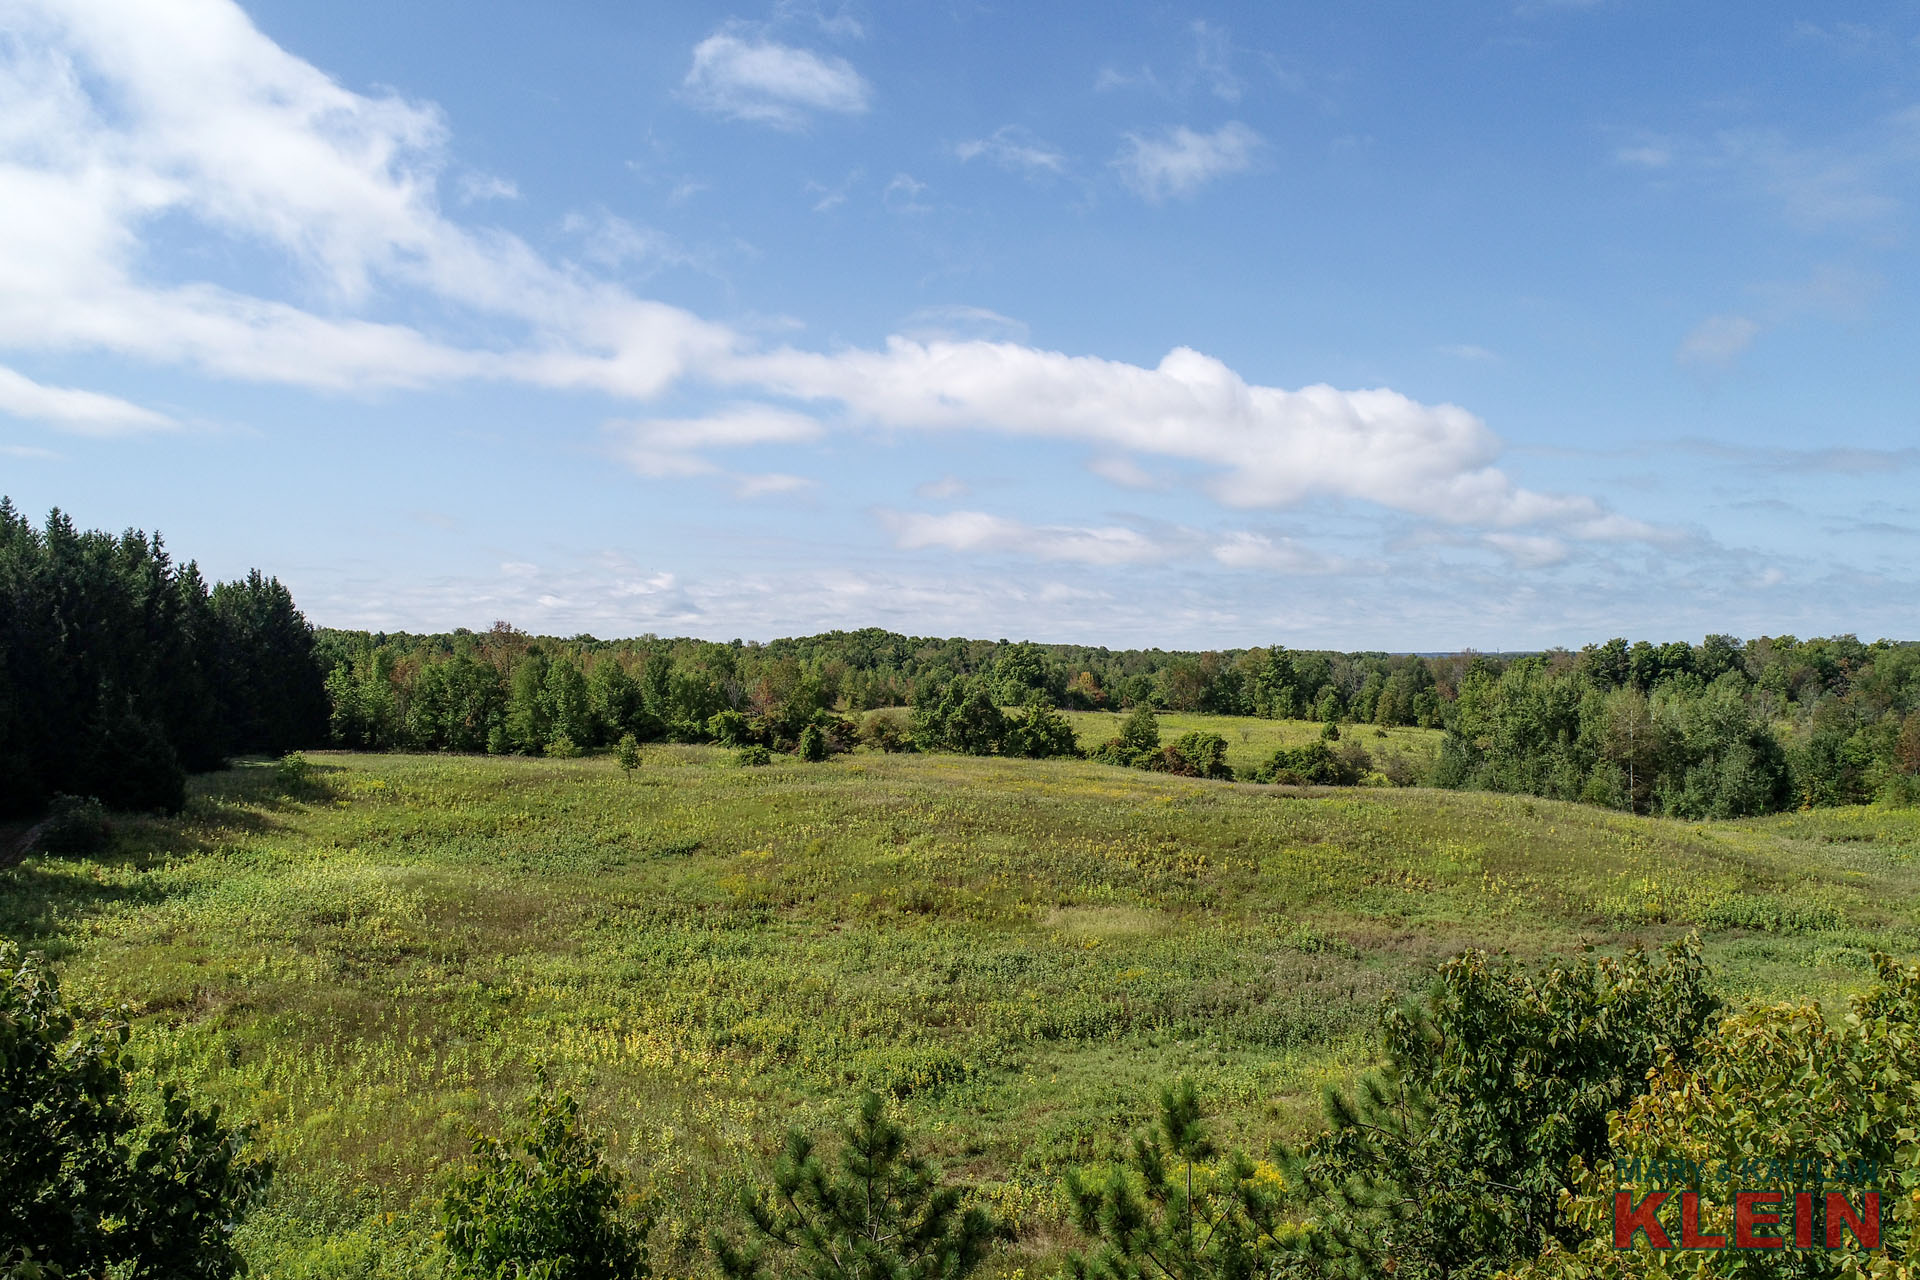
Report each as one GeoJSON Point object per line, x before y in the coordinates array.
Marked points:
{"type": "Point", "coordinates": [1722, 728]}
{"type": "Point", "coordinates": [121, 670]}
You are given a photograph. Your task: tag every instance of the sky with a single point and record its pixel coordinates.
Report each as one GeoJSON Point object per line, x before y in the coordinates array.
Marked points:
{"type": "Point", "coordinates": [1390, 326]}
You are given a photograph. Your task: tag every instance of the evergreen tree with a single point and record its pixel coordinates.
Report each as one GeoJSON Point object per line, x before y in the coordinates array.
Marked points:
{"type": "Point", "coordinates": [879, 1213]}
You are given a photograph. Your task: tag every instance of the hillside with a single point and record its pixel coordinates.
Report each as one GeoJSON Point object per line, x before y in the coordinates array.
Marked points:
{"type": "Point", "coordinates": [1019, 951]}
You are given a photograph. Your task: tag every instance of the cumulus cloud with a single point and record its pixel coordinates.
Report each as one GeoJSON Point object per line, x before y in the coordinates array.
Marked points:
{"type": "Point", "coordinates": [747, 77]}
{"type": "Point", "coordinates": [1264, 446]}
{"type": "Point", "coordinates": [1179, 161]}
{"type": "Point", "coordinates": [978, 531]}
{"type": "Point", "coordinates": [115, 114]}
{"type": "Point", "coordinates": [81, 412]}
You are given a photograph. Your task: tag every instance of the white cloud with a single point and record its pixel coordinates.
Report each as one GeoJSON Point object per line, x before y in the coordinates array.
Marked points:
{"type": "Point", "coordinates": [476, 187]}
{"type": "Point", "coordinates": [943, 489]}
{"type": "Point", "coordinates": [959, 322]}
{"type": "Point", "coordinates": [30, 452]}
{"type": "Point", "coordinates": [87, 413]}
{"type": "Point", "coordinates": [1112, 78]}
{"type": "Point", "coordinates": [1179, 161]}
{"type": "Point", "coordinates": [1529, 551]}
{"type": "Point", "coordinates": [610, 241]}
{"type": "Point", "coordinates": [1468, 351]}
{"type": "Point", "coordinates": [1649, 156]}
{"type": "Point", "coordinates": [747, 77]}
{"type": "Point", "coordinates": [1213, 59]}
{"type": "Point", "coordinates": [664, 447]}
{"type": "Point", "coordinates": [1718, 340]}
{"type": "Point", "coordinates": [1244, 550]}
{"type": "Point", "coordinates": [977, 531]}
{"type": "Point", "coordinates": [1126, 473]}
{"type": "Point", "coordinates": [1015, 149]}
{"type": "Point", "coordinates": [902, 195]}
{"type": "Point", "coordinates": [114, 114]}
{"type": "Point", "coordinates": [769, 485]}
{"type": "Point", "coordinates": [1265, 446]}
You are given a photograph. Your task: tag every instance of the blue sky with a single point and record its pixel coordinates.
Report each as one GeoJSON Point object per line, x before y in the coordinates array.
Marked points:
{"type": "Point", "coordinates": [1399, 325]}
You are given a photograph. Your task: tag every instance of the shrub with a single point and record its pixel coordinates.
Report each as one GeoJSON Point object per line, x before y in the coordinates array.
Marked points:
{"type": "Point", "coordinates": [561, 747]}
{"type": "Point", "coordinates": [880, 1214]}
{"type": "Point", "coordinates": [753, 756]}
{"type": "Point", "coordinates": [1315, 764]}
{"type": "Point", "coordinates": [1140, 732]}
{"type": "Point", "coordinates": [731, 729]}
{"type": "Point", "coordinates": [1041, 732]}
{"type": "Point", "coordinates": [77, 824]}
{"type": "Point", "coordinates": [1779, 1081]}
{"type": "Point", "coordinates": [813, 744]}
{"type": "Point", "coordinates": [1455, 1159]}
{"type": "Point", "coordinates": [884, 733]}
{"type": "Point", "coordinates": [961, 717]}
{"type": "Point", "coordinates": [89, 1185]}
{"type": "Point", "coordinates": [546, 1205]}
{"type": "Point", "coordinates": [1195, 755]}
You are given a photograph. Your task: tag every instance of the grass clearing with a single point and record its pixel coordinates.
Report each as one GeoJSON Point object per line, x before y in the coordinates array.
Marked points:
{"type": "Point", "coordinates": [1016, 952]}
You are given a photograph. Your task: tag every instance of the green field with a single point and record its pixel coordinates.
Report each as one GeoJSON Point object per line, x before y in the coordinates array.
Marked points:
{"type": "Point", "coordinates": [1252, 741]}
{"type": "Point", "coordinates": [1018, 952]}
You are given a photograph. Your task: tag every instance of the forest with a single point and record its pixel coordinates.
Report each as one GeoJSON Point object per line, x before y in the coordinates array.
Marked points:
{"type": "Point", "coordinates": [121, 670]}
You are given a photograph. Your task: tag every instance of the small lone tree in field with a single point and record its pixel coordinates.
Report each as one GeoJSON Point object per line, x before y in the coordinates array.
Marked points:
{"type": "Point", "coordinates": [813, 744]}
{"type": "Point", "coordinates": [882, 1214]}
{"type": "Point", "coordinates": [627, 754]}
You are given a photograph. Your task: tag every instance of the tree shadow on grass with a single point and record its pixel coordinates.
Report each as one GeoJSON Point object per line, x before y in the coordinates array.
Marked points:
{"type": "Point", "coordinates": [44, 896]}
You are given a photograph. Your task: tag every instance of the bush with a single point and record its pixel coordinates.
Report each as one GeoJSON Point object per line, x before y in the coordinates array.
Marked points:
{"type": "Point", "coordinates": [813, 744]}
{"type": "Point", "coordinates": [731, 729]}
{"type": "Point", "coordinates": [884, 733]}
{"type": "Point", "coordinates": [627, 754]}
{"type": "Point", "coordinates": [561, 747]}
{"type": "Point", "coordinates": [1195, 755]}
{"type": "Point", "coordinates": [1140, 732]}
{"type": "Point", "coordinates": [753, 756]}
{"type": "Point", "coordinates": [1041, 732]}
{"type": "Point", "coordinates": [547, 1205]}
{"type": "Point", "coordinates": [1454, 1161]}
{"type": "Point", "coordinates": [89, 1185]}
{"type": "Point", "coordinates": [1315, 764]}
{"type": "Point", "coordinates": [962, 717]}
{"type": "Point", "coordinates": [77, 824]}
{"type": "Point", "coordinates": [1781, 1080]}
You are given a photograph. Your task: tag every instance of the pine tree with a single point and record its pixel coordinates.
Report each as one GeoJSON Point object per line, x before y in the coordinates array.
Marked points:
{"type": "Point", "coordinates": [880, 1214]}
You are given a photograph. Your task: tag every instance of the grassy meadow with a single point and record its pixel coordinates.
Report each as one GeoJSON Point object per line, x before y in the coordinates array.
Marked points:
{"type": "Point", "coordinates": [1017, 952]}
{"type": "Point", "coordinates": [1252, 741]}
